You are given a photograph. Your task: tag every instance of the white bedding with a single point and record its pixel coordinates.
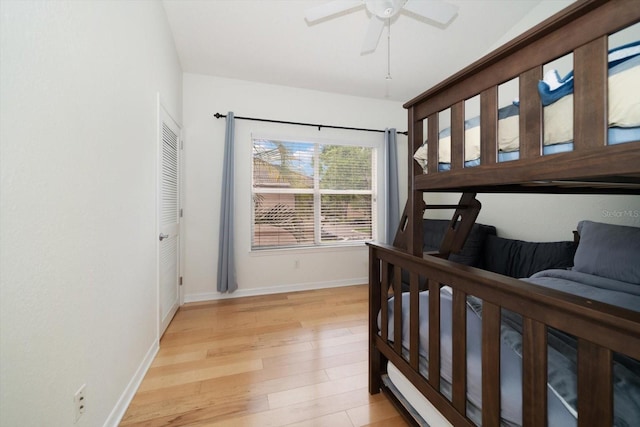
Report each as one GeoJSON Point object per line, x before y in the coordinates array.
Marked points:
{"type": "Point", "coordinates": [416, 399]}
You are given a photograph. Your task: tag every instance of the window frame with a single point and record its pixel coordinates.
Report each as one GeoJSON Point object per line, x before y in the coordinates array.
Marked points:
{"type": "Point", "coordinates": [377, 192]}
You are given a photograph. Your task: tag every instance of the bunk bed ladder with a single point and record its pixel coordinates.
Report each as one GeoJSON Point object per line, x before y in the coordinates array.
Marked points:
{"type": "Point", "coordinates": [403, 232]}
{"type": "Point", "coordinates": [460, 225]}
{"type": "Point", "coordinates": [465, 215]}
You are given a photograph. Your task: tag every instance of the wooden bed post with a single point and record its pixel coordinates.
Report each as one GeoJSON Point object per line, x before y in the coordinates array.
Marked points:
{"type": "Point", "coordinates": [374, 304]}
{"type": "Point", "coordinates": [415, 203]}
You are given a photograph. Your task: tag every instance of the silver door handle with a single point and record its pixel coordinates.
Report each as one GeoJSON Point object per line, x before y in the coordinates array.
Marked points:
{"type": "Point", "coordinates": [163, 236]}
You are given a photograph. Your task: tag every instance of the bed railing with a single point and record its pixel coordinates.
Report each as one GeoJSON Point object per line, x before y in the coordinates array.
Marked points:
{"type": "Point", "coordinates": [600, 330]}
{"type": "Point", "coordinates": [582, 25]}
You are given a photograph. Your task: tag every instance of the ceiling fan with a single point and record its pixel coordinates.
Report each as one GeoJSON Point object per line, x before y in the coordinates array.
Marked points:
{"type": "Point", "coordinates": [382, 11]}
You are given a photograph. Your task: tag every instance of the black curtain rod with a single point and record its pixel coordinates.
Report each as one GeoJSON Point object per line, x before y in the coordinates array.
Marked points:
{"type": "Point", "coordinates": [218, 116]}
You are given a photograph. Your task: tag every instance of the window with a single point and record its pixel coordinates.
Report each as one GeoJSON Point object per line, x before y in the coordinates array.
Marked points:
{"type": "Point", "coordinates": [312, 194]}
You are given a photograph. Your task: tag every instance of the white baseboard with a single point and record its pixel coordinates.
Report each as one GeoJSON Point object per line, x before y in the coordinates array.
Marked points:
{"type": "Point", "coordinates": [125, 399]}
{"type": "Point", "coordinates": [212, 296]}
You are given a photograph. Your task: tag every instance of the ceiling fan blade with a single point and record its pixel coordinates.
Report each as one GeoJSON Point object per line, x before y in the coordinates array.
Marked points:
{"type": "Point", "coordinates": [376, 25]}
{"type": "Point", "coordinates": [435, 10]}
{"type": "Point", "coordinates": [331, 8]}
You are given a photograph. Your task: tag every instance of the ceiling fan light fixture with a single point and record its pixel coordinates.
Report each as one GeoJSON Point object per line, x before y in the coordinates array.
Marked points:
{"type": "Point", "coordinates": [384, 9]}
{"type": "Point", "coordinates": [383, 12]}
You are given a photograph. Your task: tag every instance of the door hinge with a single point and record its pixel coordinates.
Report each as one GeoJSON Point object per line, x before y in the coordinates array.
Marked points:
{"type": "Point", "coordinates": [180, 281]}
{"type": "Point", "coordinates": [180, 212]}
{"type": "Point", "coordinates": [181, 143]}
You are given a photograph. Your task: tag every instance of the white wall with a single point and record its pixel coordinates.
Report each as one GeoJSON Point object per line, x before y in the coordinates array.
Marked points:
{"type": "Point", "coordinates": [79, 82]}
{"type": "Point", "coordinates": [204, 147]}
{"type": "Point", "coordinates": [542, 11]}
{"type": "Point", "coordinates": [547, 217]}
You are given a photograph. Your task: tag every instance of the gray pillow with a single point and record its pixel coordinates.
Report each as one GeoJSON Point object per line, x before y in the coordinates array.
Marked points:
{"type": "Point", "coordinates": [519, 259]}
{"type": "Point", "coordinates": [608, 250]}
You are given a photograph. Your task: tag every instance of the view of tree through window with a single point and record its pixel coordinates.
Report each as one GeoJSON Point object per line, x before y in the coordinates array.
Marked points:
{"type": "Point", "coordinates": [307, 194]}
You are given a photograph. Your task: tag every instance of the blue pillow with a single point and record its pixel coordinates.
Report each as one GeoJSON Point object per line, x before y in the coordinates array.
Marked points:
{"type": "Point", "coordinates": [608, 250]}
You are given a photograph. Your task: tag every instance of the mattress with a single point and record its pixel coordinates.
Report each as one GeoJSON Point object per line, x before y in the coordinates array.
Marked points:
{"type": "Point", "coordinates": [418, 406]}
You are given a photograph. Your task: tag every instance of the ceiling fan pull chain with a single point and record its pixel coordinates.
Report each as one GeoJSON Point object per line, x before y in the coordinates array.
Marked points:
{"type": "Point", "coordinates": [388, 49]}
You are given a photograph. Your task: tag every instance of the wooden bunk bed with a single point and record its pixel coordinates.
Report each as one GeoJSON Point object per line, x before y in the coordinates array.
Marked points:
{"type": "Point", "coordinates": [602, 332]}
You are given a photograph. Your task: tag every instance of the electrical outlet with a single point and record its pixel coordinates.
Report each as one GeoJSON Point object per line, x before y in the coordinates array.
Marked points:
{"type": "Point", "coordinates": [79, 402]}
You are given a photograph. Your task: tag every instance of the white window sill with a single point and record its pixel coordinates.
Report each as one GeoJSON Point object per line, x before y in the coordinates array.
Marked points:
{"type": "Point", "coordinates": [356, 246]}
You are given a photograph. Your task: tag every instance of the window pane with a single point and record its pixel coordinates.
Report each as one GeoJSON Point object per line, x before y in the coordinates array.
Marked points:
{"type": "Point", "coordinates": [345, 167]}
{"type": "Point", "coordinates": [282, 220]}
{"type": "Point", "coordinates": [346, 217]}
{"type": "Point", "coordinates": [282, 164]}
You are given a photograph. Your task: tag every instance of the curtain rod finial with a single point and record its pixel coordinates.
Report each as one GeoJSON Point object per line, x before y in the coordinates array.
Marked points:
{"type": "Point", "coordinates": [218, 115]}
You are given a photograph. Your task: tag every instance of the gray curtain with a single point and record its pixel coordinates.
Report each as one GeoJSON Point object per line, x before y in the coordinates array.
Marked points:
{"type": "Point", "coordinates": [393, 197]}
{"type": "Point", "coordinates": [226, 259]}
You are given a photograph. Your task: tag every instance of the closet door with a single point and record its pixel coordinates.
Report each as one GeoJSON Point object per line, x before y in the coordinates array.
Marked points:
{"type": "Point", "coordinates": [168, 218]}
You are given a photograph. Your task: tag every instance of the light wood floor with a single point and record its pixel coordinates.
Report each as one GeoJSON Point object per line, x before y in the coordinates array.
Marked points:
{"type": "Point", "coordinates": [296, 359]}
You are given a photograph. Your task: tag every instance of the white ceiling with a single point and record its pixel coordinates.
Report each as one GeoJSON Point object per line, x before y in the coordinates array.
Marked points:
{"type": "Point", "coordinates": [269, 41]}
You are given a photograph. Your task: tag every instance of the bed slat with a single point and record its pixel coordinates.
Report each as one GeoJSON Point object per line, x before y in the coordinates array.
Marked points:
{"type": "Point", "coordinates": [534, 373]}
{"type": "Point", "coordinates": [457, 135]}
{"type": "Point", "coordinates": [414, 323]}
{"type": "Point", "coordinates": [397, 308]}
{"type": "Point", "coordinates": [590, 95]}
{"type": "Point", "coordinates": [595, 407]}
{"type": "Point", "coordinates": [530, 114]}
{"type": "Point", "coordinates": [489, 126]}
{"type": "Point", "coordinates": [490, 364]}
{"type": "Point", "coordinates": [459, 350]}
{"type": "Point", "coordinates": [434, 334]}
